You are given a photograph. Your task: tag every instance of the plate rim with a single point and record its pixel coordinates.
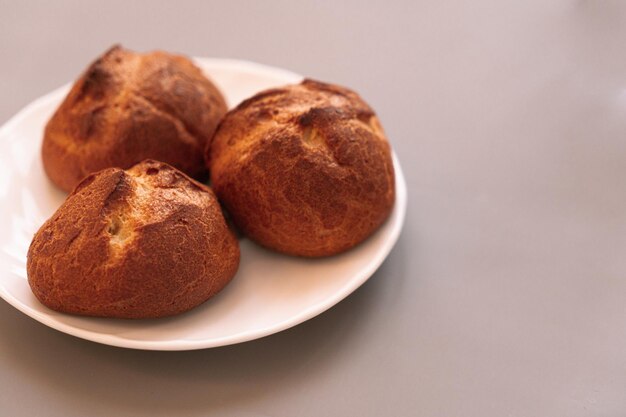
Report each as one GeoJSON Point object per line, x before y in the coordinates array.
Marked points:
{"type": "Point", "coordinates": [398, 213]}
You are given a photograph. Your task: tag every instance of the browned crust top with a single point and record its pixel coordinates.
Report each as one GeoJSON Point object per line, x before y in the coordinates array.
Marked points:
{"type": "Point", "coordinates": [127, 107]}
{"type": "Point", "coordinates": [305, 169]}
{"type": "Point", "coordinates": [147, 242]}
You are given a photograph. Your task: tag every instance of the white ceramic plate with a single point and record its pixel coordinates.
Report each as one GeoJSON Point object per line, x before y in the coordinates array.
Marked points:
{"type": "Point", "coordinates": [270, 293]}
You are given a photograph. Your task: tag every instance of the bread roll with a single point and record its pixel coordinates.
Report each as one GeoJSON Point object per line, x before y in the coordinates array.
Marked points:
{"type": "Point", "coordinates": [128, 107]}
{"type": "Point", "coordinates": [146, 242]}
{"type": "Point", "coordinates": [304, 169]}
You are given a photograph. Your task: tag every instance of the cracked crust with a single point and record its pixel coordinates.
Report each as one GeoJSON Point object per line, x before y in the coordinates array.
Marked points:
{"type": "Point", "coordinates": [305, 169]}
{"type": "Point", "coordinates": [146, 242]}
{"type": "Point", "coordinates": [127, 107]}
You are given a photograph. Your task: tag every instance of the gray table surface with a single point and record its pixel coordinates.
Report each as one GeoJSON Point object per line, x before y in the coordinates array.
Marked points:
{"type": "Point", "coordinates": [506, 293]}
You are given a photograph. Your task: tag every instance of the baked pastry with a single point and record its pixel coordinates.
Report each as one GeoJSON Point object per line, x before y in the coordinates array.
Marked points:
{"type": "Point", "coordinates": [146, 242]}
{"type": "Point", "coordinates": [303, 169]}
{"type": "Point", "coordinates": [128, 107]}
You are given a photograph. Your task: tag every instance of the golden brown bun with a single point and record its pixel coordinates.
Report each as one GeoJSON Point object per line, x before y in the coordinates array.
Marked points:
{"type": "Point", "coordinates": [146, 242]}
{"type": "Point", "coordinates": [304, 169]}
{"type": "Point", "coordinates": [128, 107]}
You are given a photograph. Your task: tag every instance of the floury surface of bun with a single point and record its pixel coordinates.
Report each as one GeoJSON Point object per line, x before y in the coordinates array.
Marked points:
{"type": "Point", "coordinates": [142, 243]}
